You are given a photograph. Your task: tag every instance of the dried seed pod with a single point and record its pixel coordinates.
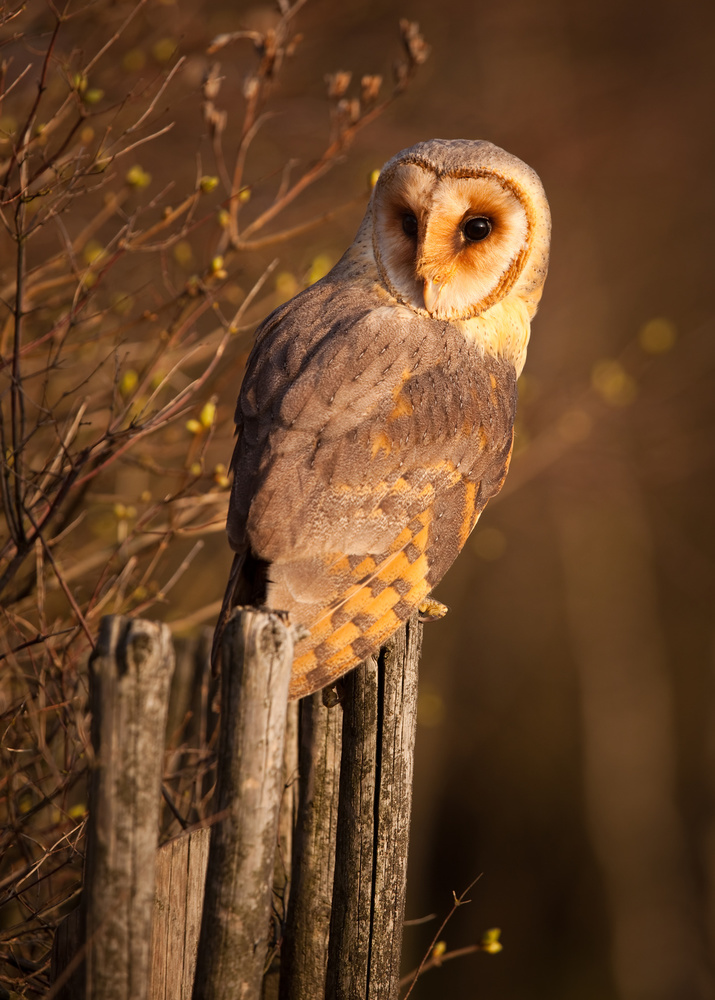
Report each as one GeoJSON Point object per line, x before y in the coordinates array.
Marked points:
{"type": "Point", "coordinates": [338, 84]}
{"type": "Point", "coordinates": [370, 88]}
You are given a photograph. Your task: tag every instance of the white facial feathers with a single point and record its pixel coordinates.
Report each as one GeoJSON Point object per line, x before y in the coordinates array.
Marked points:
{"type": "Point", "coordinates": [458, 226]}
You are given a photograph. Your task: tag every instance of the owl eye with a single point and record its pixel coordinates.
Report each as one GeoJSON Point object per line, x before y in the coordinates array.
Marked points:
{"type": "Point", "coordinates": [409, 225]}
{"type": "Point", "coordinates": [477, 229]}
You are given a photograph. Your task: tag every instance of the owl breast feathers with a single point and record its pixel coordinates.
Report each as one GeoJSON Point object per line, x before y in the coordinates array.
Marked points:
{"type": "Point", "coordinates": [375, 419]}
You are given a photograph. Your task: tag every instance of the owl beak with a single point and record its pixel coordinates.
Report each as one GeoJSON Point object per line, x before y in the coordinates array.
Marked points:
{"type": "Point", "coordinates": [431, 292]}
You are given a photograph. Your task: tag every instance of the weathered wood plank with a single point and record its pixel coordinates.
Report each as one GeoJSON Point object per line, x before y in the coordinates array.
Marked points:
{"type": "Point", "coordinates": [257, 657]}
{"type": "Point", "coordinates": [379, 718]}
{"type": "Point", "coordinates": [397, 722]}
{"type": "Point", "coordinates": [130, 673]}
{"type": "Point", "coordinates": [304, 952]}
{"type": "Point", "coordinates": [178, 902]}
{"type": "Point", "coordinates": [282, 877]}
{"type": "Point", "coordinates": [282, 871]}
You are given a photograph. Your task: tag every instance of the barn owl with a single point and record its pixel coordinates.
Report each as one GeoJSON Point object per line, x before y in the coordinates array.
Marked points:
{"type": "Point", "coordinates": [375, 419]}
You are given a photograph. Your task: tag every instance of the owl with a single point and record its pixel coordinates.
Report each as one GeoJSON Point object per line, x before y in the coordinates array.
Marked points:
{"type": "Point", "coordinates": [375, 419]}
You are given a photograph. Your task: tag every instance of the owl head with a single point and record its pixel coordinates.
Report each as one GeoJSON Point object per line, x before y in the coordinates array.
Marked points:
{"type": "Point", "coordinates": [457, 226]}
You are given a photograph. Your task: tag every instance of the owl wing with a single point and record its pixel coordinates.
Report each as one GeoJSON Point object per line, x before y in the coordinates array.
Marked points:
{"type": "Point", "coordinates": [369, 441]}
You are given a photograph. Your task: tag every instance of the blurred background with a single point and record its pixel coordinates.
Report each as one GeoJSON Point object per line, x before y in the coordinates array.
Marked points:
{"type": "Point", "coordinates": [566, 741]}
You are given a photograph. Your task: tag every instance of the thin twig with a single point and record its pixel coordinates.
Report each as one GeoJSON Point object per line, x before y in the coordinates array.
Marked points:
{"type": "Point", "coordinates": [458, 901]}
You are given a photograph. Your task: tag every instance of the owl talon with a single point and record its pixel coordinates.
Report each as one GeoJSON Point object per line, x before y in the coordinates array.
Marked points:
{"type": "Point", "coordinates": [300, 632]}
{"type": "Point", "coordinates": [431, 610]}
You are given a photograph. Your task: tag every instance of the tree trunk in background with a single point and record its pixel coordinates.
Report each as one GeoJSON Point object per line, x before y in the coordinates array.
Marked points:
{"type": "Point", "coordinates": [628, 739]}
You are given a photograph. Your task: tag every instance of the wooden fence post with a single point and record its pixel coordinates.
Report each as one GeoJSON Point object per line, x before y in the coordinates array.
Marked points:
{"type": "Point", "coordinates": [180, 879]}
{"type": "Point", "coordinates": [130, 673]}
{"type": "Point", "coordinates": [343, 929]}
{"type": "Point", "coordinates": [380, 711]}
{"type": "Point", "coordinates": [304, 950]}
{"type": "Point", "coordinates": [257, 656]}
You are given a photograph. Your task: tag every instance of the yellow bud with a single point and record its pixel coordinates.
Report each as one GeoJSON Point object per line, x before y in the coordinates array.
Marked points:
{"type": "Point", "coordinates": [137, 177]}
{"type": "Point", "coordinates": [208, 415]}
{"type": "Point", "coordinates": [128, 382]}
{"type": "Point", "coordinates": [93, 96]}
{"type": "Point", "coordinates": [194, 426]}
{"type": "Point", "coordinates": [120, 511]}
{"type": "Point", "coordinates": [217, 268]}
{"type": "Point", "coordinates": [490, 941]}
{"type": "Point", "coordinates": [207, 184]}
{"type": "Point", "coordinates": [223, 218]}
{"type": "Point", "coordinates": [319, 268]}
{"type": "Point", "coordinates": [244, 195]}
{"type": "Point", "coordinates": [92, 252]}
{"type": "Point", "coordinates": [195, 469]}
{"type": "Point", "coordinates": [183, 254]}
{"type": "Point", "coordinates": [8, 125]}
{"type": "Point", "coordinates": [77, 811]}
{"type": "Point", "coordinates": [164, 49]}
{"type": "Point", "coordinates": [439, 949]}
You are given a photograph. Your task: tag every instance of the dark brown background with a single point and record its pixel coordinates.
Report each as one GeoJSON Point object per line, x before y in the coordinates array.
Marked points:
{"type": "Point", "coordinates": [566, 749]}
{"type": "Point", "coordinates": [566, 745]}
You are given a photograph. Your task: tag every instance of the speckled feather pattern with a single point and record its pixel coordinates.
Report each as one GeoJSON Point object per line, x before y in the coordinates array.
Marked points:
{"type": "Point", "coordinates": [370, 437]}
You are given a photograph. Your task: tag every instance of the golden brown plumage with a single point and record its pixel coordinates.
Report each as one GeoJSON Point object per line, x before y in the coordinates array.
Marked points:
{"type": "Point", "coordinates": [375, 419]}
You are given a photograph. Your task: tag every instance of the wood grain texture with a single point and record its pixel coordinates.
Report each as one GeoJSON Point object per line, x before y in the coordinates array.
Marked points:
{"type": "Point", "coordinates": [282, 874]}
{"type": "Point", "coordinates": [180, 876]}
{"type": "Point", "coordinates": [380, 707]}
{"type": "Point", "coordinates": [130, 674]}
{"type": "Point", "coordinates": [283, 866]}
{"type": "Point", "coordinates": [256, 656]}
{"type": "Point", "coordinates": [304, 951]}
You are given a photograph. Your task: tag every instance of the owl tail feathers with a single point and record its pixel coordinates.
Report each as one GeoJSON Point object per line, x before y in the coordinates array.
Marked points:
{"type": "Point", "coordinates": [230, 601]}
